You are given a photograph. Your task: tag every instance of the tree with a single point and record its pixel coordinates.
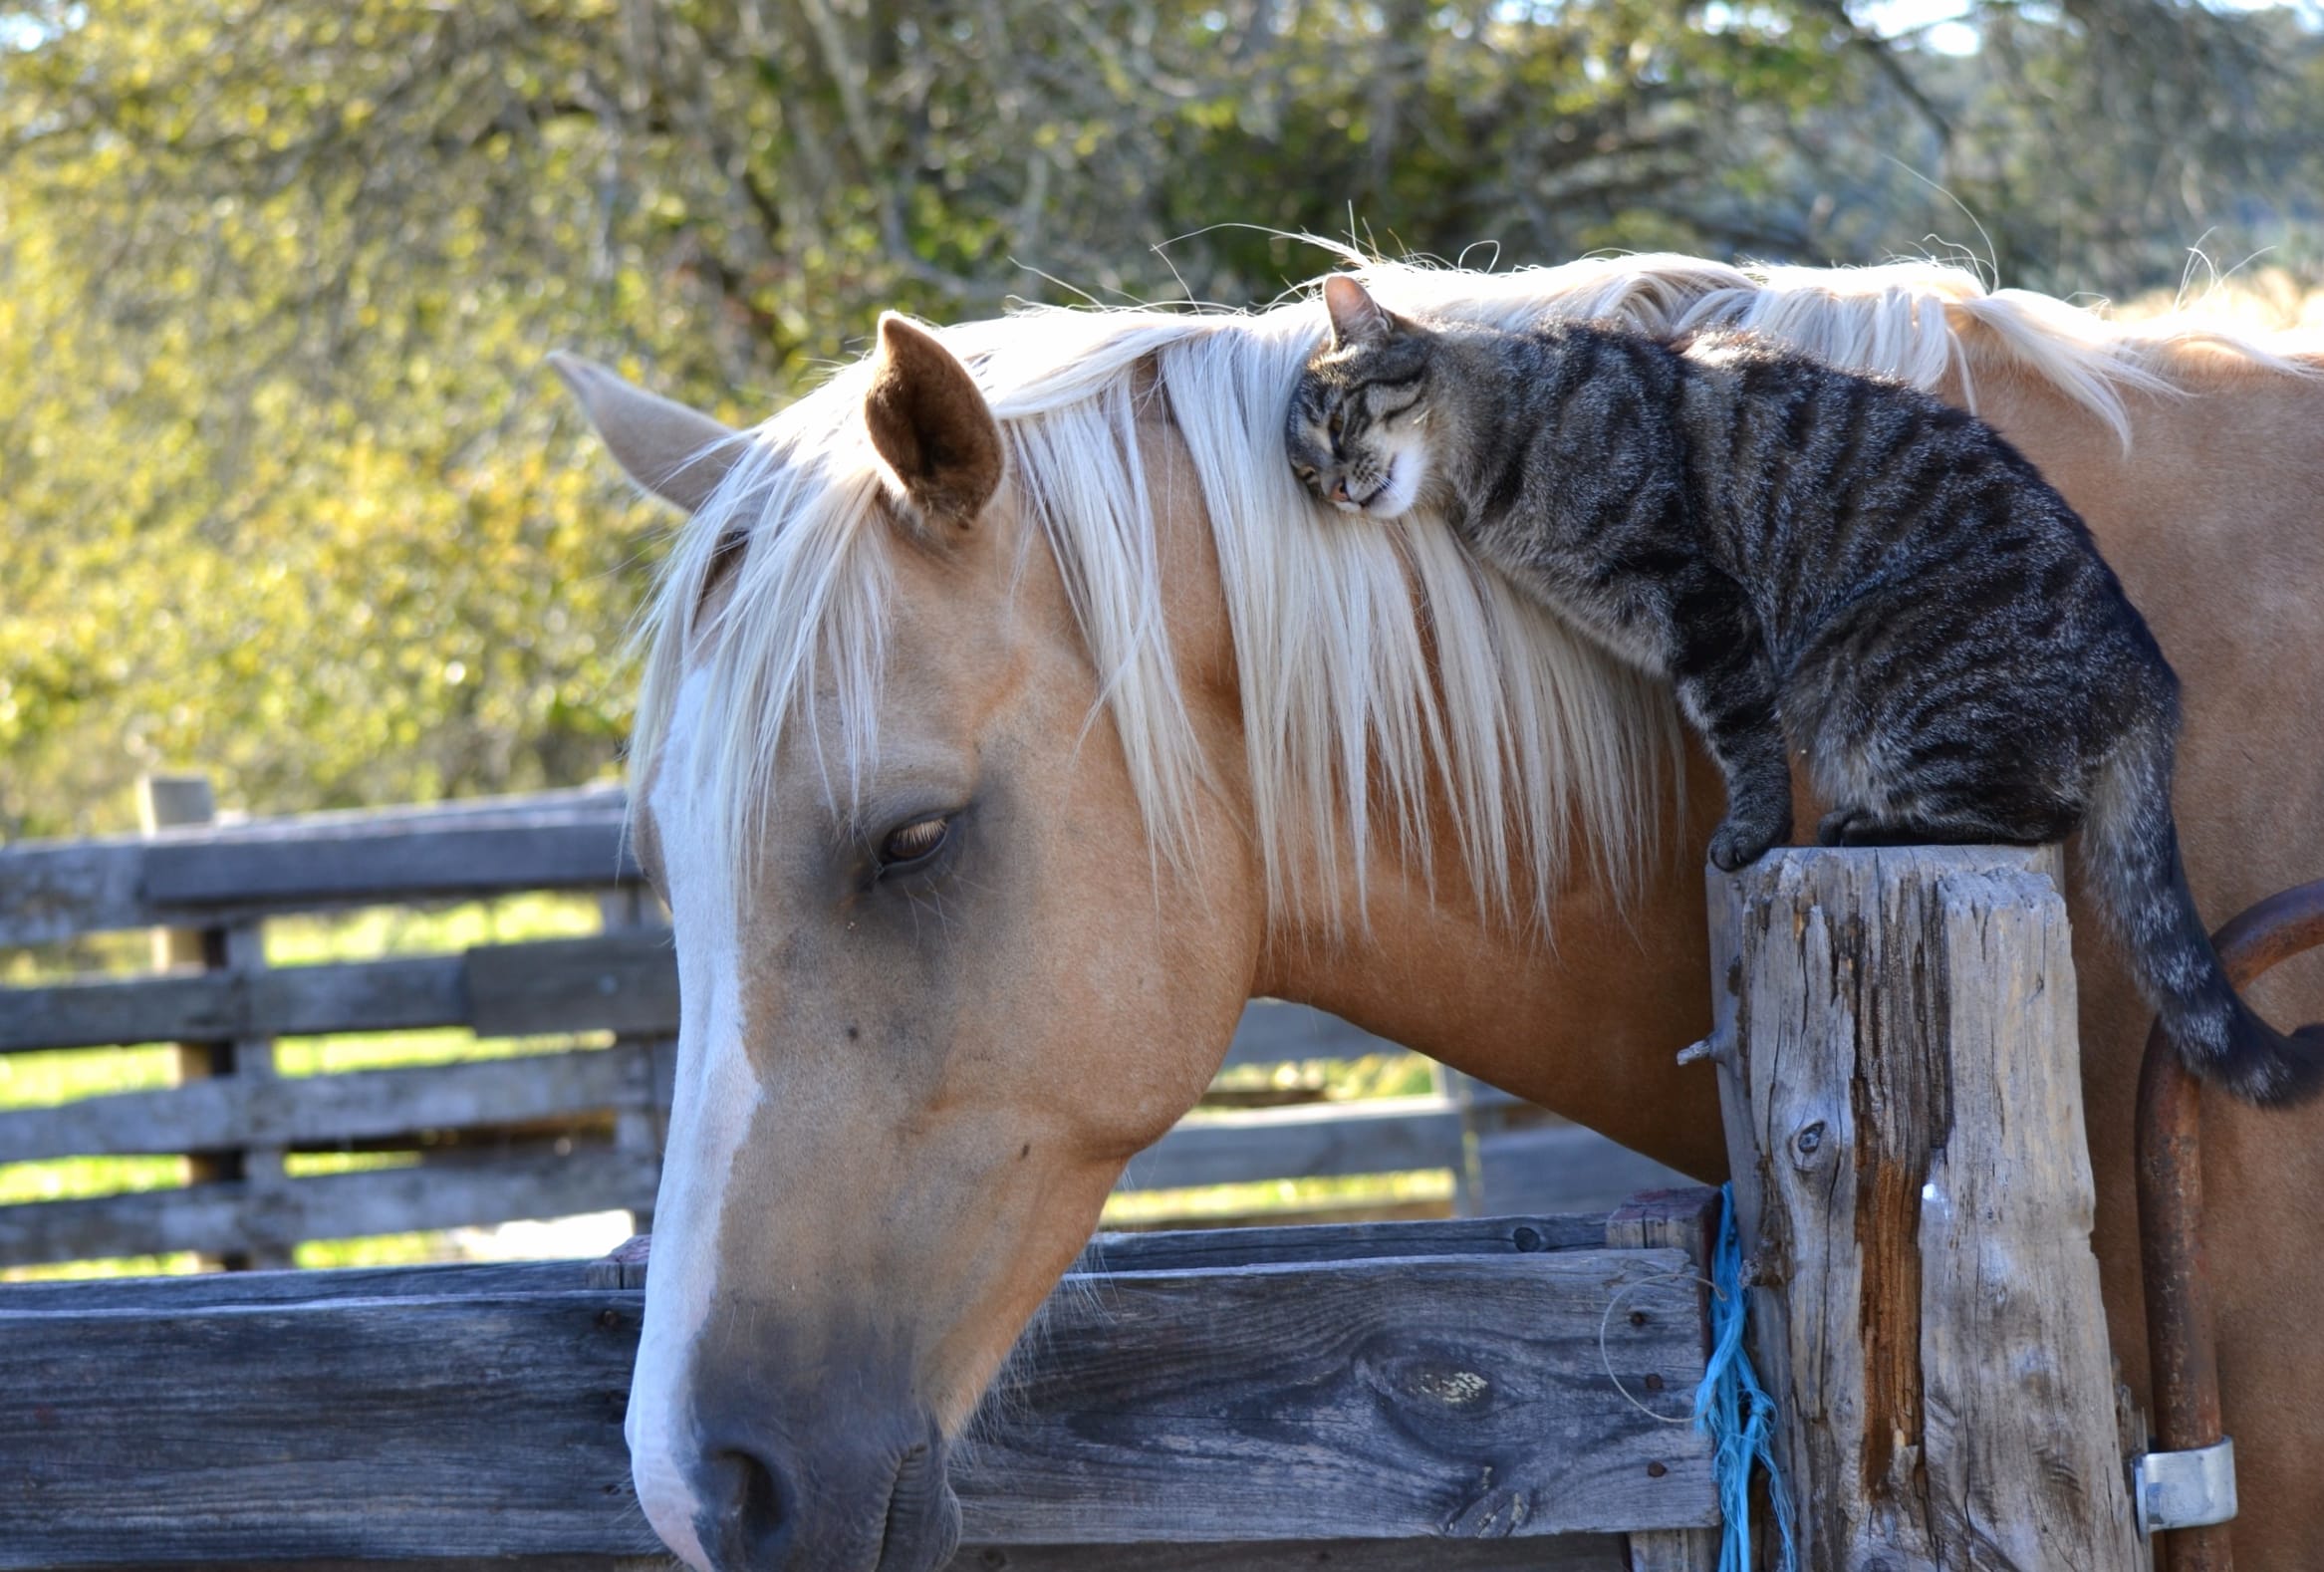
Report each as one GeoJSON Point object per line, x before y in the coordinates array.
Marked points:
{"type": "Point", "coordinates": [287, 494]}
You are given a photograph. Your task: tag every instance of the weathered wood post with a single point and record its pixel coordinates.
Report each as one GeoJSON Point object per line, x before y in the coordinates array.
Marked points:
{"type": "Point", "coordinates": [1899, 1074]}
{"type": "Point", "coordinates": [167, 802]}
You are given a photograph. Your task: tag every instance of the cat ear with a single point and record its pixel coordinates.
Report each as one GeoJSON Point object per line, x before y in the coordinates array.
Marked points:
{"type": "Point", "coordinates": [1356, 317]}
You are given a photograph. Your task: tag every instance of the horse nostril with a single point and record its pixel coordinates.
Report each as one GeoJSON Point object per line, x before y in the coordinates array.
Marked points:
{"type": "Point", "coordinates": [746, 1509]}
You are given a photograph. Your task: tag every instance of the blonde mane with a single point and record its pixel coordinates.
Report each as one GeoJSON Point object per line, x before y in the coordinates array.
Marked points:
{"type": "Point", "coordinates": [1378, 667]}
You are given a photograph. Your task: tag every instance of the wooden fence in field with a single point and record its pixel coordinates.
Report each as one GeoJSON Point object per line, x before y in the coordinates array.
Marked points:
{"type": "Point", "coordinates": [1368, 1398]}
{"type": "Point", "coordinates": [574, 1129]}
{"type": "Point", "coordinates": [1889, 1024]}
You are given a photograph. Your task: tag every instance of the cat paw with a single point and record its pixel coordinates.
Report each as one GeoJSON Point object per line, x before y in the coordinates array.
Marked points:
{"type": "Point", "coordinates": [1734, 846]}
{"type": "Point", "coordinates": [1836, 827]}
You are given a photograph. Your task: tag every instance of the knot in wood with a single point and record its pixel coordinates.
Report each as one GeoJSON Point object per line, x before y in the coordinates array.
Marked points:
{"type": "Point", "coordinates": [1807, 1144]}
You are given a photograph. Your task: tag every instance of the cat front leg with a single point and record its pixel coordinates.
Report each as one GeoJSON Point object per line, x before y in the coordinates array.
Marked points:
{"type": "Point", "coordinates": [1727, 685]}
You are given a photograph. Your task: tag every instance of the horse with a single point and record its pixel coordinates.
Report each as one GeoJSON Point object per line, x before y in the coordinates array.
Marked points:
{"type": "Point", "coordinates": [1010, 716]}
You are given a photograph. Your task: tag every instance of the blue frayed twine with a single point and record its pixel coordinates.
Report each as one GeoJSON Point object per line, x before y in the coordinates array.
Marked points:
{"type": "Point", "coordinates": [1734, 1410]}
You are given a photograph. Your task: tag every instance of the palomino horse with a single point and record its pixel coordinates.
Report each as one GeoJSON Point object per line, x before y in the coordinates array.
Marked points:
{"type": "Point", "coordinates": [1011, 716]}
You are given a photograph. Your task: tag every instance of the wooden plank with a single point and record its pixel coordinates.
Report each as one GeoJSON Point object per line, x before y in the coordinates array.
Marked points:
{"type": "Point", "coordinates": [440, 862]}
{"type": "Point", "coordinates": [1183, 1250]}
{"type": "Point", "coordinates": [1561, 1553]}
{"type": "Point", "coordinates": [1193, 1249]}
{"type": "Point", "coordinates": [451, 1563]}
{"type": "Point", "coordinates": [1685, 1219]}
{"type": "Point", "coordinates": [201, 1291]}
{"type": "Point", "coordinates": [1898, 1075]}
{"type": "Point", "coordinates": [54, 890]}
{"type": "Point", "coordinates": [1456, 1395]}
{"type": "Point", "coordinates": [296, 1001]}
{"type": "Point", "coordinates": [1565, 1553]}
{"type": "Point", "coordinates": [1562, 1168]}
{"type": "Point", "coordinates": [487, 1426]}
{"type": "Point", "coordinates": [1377, 1400]}
{"type": "Point", "coordinates": [1189, 1249]}
{"type": "Point", "coordinates": [325, 1110]}
{"type": "Point", "coordinates": [624, 981]}
{"type": "Point", "coordinates": [224, 1215]}
{"type": "Point", "coordinates": [1388, 1134]}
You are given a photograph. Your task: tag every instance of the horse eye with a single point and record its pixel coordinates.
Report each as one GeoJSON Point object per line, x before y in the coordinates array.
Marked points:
{"type": "Point", "coordinates": [914, 842]}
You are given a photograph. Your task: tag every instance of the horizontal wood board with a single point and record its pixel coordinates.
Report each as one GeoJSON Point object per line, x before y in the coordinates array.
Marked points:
{"type": "Point", "coordinates": [1565, 1553]}
{"type": "Point", "coordinates": [1390, 1399]}
{"type": "Point", "coordinates": [232, 1214]}
{"type": "Point", "coordinates": [54, 890]}
{"type": "Point", "coordinates": [1189, 1249]}
{"type": "Point", "coordinates": [323, 1111]}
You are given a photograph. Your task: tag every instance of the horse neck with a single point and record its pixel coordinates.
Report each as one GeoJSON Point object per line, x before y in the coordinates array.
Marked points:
{"type": "Point", "coordinates": [1586, 1020]}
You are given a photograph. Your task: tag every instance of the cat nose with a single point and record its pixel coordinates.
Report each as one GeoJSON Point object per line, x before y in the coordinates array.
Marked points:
{"type": "Point", "coordinates": [1339, 491]}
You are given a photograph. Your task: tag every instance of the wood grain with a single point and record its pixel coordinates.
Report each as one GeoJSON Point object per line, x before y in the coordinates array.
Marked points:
{"type": "Point", "coordinates": [1685, 1219]}
{"type": "Point", "coordinates": [1386, 1400]}
{"type": "Point", "coordinates": [1902, 1094]}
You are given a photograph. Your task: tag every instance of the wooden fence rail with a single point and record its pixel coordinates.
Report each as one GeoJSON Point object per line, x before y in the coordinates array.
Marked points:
{"type": "Point", "coordinates": [1269, 1393]}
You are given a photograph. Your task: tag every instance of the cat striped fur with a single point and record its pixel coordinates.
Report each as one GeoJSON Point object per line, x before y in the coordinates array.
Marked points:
{"type": "Point", "coordinates": [1815, 559]}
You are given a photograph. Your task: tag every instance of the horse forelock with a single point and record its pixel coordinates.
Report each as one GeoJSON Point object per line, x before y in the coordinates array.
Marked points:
{"type": "Point", "coordinates": [1388, 685]}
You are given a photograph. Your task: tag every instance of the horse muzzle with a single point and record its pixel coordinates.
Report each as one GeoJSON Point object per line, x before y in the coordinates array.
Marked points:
{"type": "Point", "coordinates": [854, 1504]}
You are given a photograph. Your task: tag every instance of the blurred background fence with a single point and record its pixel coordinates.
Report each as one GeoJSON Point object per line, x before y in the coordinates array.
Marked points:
{"type": "Point", "coordinates": [286, 1099]}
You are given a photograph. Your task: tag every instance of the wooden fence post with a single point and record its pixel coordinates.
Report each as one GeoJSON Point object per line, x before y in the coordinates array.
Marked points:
{"type": "Point", "coordinates": [644, 1128]}
{"type": "Point", "coordinates": [167, 802]}
{"type": "Point", "coordinates": [1898, 1075]}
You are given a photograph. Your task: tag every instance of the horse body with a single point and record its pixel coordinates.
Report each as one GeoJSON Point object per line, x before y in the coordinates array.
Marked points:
{"type": "Point", "coordinates": [901, 1103]}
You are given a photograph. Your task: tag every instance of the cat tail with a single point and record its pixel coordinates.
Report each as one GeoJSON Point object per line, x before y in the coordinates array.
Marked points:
{"type": "Point", "coordinates": [2129, 854]}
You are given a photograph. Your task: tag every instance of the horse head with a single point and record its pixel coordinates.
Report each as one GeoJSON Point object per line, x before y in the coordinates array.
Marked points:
{"type": "Point", "coordinates": [935, 984]}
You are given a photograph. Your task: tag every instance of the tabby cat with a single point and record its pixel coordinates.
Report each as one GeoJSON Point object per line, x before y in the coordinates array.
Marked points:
{"type": "Point", "coordinates": [1802, 550]}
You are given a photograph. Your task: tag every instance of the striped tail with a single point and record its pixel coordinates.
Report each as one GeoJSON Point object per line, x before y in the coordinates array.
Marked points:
{"type": "Point", "coordinates": [2129, 849]}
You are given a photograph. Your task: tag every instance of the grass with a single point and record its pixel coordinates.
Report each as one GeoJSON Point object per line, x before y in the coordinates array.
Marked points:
{"type": "Point", "coordinates": [40, 1080]}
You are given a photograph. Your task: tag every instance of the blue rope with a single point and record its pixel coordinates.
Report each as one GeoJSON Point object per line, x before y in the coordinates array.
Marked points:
{"type": "Point", "coordinates": [1734, 1410]}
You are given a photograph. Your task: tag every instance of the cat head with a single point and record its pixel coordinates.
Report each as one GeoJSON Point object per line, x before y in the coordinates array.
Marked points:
{"type": "Point", "coordinates": [1358, 428]}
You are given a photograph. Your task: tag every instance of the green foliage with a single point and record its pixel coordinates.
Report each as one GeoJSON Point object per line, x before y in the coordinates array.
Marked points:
{"type": "Point", "coordinates": [289, 498]}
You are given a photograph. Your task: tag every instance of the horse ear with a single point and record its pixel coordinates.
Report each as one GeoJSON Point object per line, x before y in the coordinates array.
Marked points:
{"type": "Point", "coordinates": [679, 454]}
{"type": "Point", "coordinates": [930, 421]}
{"type": "Point", "coordinates": [1356, 317]}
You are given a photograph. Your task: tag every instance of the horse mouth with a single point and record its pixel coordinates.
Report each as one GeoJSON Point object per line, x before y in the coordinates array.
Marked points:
{"type": "Point", "coordinates": [921, 1526]}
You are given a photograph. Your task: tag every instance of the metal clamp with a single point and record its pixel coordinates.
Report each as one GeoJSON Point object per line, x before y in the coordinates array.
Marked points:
{"type": "Point", "coordinates": [2184, 1489]}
